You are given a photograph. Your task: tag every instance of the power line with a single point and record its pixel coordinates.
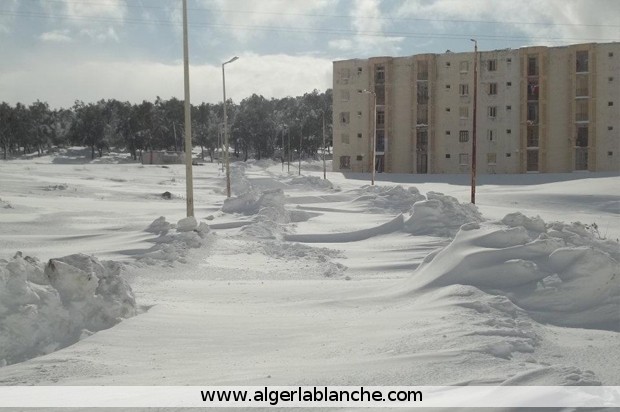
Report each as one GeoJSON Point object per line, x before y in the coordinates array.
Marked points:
{"type": "Point", "coordinates": [335, 16]}
{"type": "Point", "coordinates": [340, 32]}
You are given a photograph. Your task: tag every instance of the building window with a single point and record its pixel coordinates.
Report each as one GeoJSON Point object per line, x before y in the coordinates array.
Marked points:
{"type": "Point", "coordinates": [492, 88]}
{"type": "Point", "coordinates": [359, 158]}
{"type": "Point", "coordinates": [359, 135]}
{"type": "Point", "coordinates": [532, 66]}
{"type": "Point", "coordinates": [508, 154]}
{"type": "Point", "coordinates": [344, 117]}
{"type": "Point", "coordinates": [447, 86]}
{"type": "Point", "coordinates": [491, 158]}
{"type": "Point", "coordinates": [491, 134]}
{"type": "Point", "coordinates": [581, 111]}
{"type": "Point", "coordinates": [611, 54]}
{"type": "Point", "coordinates": [380, 143]}
{"type": "Point", "coordinates": [464, 112]}
{"type": "Point", "coordinates": [345, 162]}
{"type": "Point", "coordinates": [464, 66]}
{"type": "Point", "coordinates": [380, 119]}
{"type": "Point", "coordinates": [610, 153]}
{"type": "Point", "coordinates": [582, 136]}
{"type": "Point", "coordinates": [582, 61]}
{"type": "Point", "coordinates": [508, 108]}
{"type": "Point", "coordinates": [344, 76]}
{"type": "Point", "coordinates": [532, 161]}
{"type": "Point", "coordinates": [581, 158]}
{"type": "Point", "coordinates": [447, 64]}
{"type": "Point", "coordinates": [492, 65]}
{"type": "Point", "coordinates": [611, 79]}
{"type": "Point", "coordinates": [379, 74]}
{"type": "Point", "coordinates": [359, 115]}
{"type": "Point", "coordinates": [508, 84]}
{"type": "Point", "coordinates": [359, 71]}
{"type": "Point", "coordinates": [610, 103]}
{"type": "Point", "coordinates": [464, 136]}
{"type": "Point", "coordinates": [447, 109]}
{"type": "Point", "coordinates": [447, 132]}
{"type": "Point", "coordinates": [422, 92]}
{"type": "Point", "coordinates": [509, 60]}
{"type": "Point", "coordinates": [532, 89]}
{"type": "Point", "coordinates": [463, 159]}
{"type": "Point", "coordinates": [344, 138]}
{"type": "Point", "coordinates": [532, 113]}
{"type": "Point", "coordinates": [422, 70]}
{"type": "Point", "coordinates": [492, 111]}
{"type": "Point", "coordinates": [581, 85]}
{"type": "Point", "coordinates": [610, 128]}
{"type": "Point", "coordinates": [463, 89]}
{"type": "Point", "coordinates": [447, 155]}
{"type": "Point", "coordinates": [508, 131]}
{"type": "Point", "coordinates": [532, 136]}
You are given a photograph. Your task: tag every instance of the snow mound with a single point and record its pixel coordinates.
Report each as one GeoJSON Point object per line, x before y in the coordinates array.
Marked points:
{"type": "Point", "coordinates": [312, 181]}
{"type": "Point", "coordinates": [45, 308]}
{"type": "Point", "coordinates": [381, 199]}
{"type": "Point", "coordinates": [563, 275]}
{"type": "Point", "coordinates": [174, 241]}
{"type": "Point", "coordinates": [440, 215]}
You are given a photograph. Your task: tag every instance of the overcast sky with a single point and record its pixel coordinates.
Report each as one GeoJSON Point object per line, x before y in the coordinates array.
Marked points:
{"type": "Point", "coordinates": [60, 51]}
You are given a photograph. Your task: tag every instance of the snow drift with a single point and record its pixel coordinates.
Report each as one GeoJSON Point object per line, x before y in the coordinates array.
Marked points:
{"type": "Point", "coordinates": [174, 240]}
{"type": "Point", "coordinates": [46, 307]}
{"type": "Point", "coordinates": [559, 273]}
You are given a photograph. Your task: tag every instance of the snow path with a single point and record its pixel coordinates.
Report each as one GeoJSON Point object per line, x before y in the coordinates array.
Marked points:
{"type": "Point", "coordinates": [251, 307]}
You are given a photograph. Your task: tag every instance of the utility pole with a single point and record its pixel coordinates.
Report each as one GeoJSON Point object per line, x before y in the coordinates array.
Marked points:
{"type": "Point", "coordinates": [288, 162]}
{"type": "Point", "coordinates": [226, 153]}
{"type": "Point", "coordinates": [189, 186]}
{"type": "Point", "coordinates": [324, 167]}
{"type": "Point", "coordinates": [301, 137]}
{"type": "Point", "coordinates": [473, 139]}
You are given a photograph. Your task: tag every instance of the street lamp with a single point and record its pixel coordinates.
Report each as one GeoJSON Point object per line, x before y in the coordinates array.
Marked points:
{"type": "Point", "coordinates": [473, 138]}
{"type": "Point", "coordinates": [374, 135]}
{"type": "Point", "coordinates": [226, 155]}
{"type": "Point", "coordinates": [189, 186]}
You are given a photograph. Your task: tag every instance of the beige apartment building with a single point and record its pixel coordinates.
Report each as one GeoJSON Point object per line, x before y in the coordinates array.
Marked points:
{"type": "Point", "coordinates": [539, 109]}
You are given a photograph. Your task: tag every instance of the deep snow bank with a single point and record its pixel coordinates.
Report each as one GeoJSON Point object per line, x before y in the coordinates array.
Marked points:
{"type": "Point", "coordinates": [47, 307]}
{"type": "Point", "coordinates": [380, 199]}
{"type": "Point", "coordinates": [440, 215]}
{"type": "Point", "coordinates": [174, 240]}
{"type": "Point", "coordinates": [559, 273]}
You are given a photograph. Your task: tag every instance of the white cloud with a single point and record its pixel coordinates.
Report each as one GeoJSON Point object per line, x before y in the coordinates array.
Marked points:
{"type": "Point", "coordinates": [56, 36]}
{"type": "Point", "coordinates": [61, 82]}
{"type": "Point", "coordinates": [369, 25]}
{"type": "Point", "coordinates": [239, 14]}
{"type": "Point", "coordinates": [6, 20]}
{"type": "Point", "coordinates": [544, 22]}
{"type": "Point", "coordinates": [82, 13]}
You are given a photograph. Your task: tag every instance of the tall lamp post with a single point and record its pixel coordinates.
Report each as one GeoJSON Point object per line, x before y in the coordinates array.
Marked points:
{"type": "Point", "coordinates": [189, 186]}
{"type": "Point", "coordinates": [473, 138]}
{"type": "Point", "coordinates": [226, 154]}
{"type": "Point", "coordinates": [374, 135]}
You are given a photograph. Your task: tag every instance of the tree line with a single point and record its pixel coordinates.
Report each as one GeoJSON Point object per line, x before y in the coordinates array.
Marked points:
{"type": "Point", "coordinates": [258, 127]}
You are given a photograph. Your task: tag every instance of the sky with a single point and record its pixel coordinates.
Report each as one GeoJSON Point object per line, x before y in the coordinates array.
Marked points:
{"type": "Point", "coordinates": [60, 51]}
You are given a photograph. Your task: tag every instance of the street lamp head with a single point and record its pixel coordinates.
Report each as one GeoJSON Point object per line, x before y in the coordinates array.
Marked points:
{"type": "Point", "coordinates": [231, 60]}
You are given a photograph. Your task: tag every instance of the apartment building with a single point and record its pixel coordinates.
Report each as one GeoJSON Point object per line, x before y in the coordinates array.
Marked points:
{"type": "Point", "coordinates": [538, 109]}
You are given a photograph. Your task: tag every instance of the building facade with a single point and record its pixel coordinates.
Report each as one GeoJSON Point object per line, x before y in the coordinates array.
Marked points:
{"type": "Point", "coordinates": [538, 109]}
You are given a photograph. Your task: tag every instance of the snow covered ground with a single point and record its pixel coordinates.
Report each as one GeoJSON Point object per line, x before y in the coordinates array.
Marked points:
{"type": "Point", "coordinates": [299, 281]}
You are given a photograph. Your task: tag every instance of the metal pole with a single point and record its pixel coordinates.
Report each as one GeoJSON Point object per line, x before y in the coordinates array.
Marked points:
{"type": "Point", "coordinates": [473, 140]}
{"type": "Point", "coordinates": [324, 167]}
{"type": "Point", "coordinates": [374, 142]}
{"type": "Point", "coordinates": [189, 187]}
{"type": "Point", "coordinates": [374, 136]}
{"type": "Point", "coordinates": [282, 131]}
{"type": "Point", "coordinates": [226, 154]}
